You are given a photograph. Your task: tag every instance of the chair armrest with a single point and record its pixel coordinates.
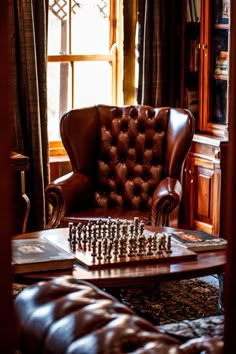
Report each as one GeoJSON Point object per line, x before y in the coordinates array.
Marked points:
{"type": "Point", "coordinates": [68, 194]}
{"type": "Point", "coordinates": [166, 198]}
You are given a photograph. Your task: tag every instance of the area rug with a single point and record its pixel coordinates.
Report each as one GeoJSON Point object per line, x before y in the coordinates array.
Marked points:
{"type": "Point", "coordinates": [170, 301]}
{"type": "Point", "coordinates": [175, 301]}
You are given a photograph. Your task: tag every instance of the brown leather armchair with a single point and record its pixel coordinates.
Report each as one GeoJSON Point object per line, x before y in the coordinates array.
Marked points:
{"type": "Point", "coordinates": [126, 162]}
{"type": "Point", "coordinates": [65, 315]}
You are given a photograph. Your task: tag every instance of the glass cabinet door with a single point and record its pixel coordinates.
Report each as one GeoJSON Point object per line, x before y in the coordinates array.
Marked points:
{"type": "Point", "coordinates": [219, 64]}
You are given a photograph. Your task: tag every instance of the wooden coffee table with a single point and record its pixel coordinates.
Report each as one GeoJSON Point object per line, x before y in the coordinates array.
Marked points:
{"type": "Point", "coordinates": [206, 263]}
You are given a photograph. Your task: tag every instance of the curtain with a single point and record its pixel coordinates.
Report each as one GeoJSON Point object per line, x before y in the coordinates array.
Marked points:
{"type": "Point", "coordinates": [159, 31]}
{"type": "Point", "coordinates": [28, 29]}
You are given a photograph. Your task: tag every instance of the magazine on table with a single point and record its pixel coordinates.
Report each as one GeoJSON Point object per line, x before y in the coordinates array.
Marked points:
{"type": "Point", "coordinates": [198, 240]}
{"type": "Point", "coordinates": [37, 255]}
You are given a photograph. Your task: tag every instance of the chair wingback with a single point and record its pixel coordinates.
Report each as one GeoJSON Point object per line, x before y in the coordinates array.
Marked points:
{"type": "Point", "coordinates": [127, 150]}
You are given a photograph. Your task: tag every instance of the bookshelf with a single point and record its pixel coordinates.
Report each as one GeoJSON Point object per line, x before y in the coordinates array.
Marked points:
{"type": "Point", "coordinates": [204, 91]}
{"type": "Point", "coordinates": [206, 29]}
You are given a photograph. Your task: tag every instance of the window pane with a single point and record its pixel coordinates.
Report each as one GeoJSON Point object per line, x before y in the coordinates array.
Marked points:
{"type": "Point", "coordinates": [90, 27]}
{"type": "Point", "coordinates": [57, 28]}
{"type": "Point", "coordinates": [93, 84]}
{"type": "Point", "coordinates": [59, 96]}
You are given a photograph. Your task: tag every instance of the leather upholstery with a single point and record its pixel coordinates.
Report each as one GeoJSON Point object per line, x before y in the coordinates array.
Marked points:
{"type": "Point", "coordinates": [126, 161]}
{"type": "Point", "coordinates": [66, 315]}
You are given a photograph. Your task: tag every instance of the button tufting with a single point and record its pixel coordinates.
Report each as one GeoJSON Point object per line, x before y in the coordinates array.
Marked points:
{"type": "Point", "coordinates": [150, 113]}
{"type": "Point", "coordinates": [149, 145]}
{"type": "Point", "coordinates": [133, 112]}
{"type": "Point", "coordinates": [117, 112]}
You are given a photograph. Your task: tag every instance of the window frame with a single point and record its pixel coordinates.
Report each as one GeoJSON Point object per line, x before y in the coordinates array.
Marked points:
{"type": "Point", "coordinates": [114, 57]}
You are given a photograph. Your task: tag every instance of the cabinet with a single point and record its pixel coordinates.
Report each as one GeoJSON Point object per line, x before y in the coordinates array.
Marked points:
{"type": "Point", "coordinates": [202, 182]}
{"type": "Point", "coordinates": [205, 59]}
{"type": "Point", "coordinates": [204, 91]}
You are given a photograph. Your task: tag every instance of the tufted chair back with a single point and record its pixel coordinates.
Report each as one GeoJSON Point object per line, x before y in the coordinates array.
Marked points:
{"type": "Point", "coordinates": [121, 155]}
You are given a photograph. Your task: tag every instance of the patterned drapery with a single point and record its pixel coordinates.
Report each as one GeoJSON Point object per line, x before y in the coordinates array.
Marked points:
{"type": "Point", "coordinates": [159, 52]}
{"type": "Point", "coordinates": [28, 30]}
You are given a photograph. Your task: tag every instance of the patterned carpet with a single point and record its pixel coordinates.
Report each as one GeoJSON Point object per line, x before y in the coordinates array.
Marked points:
{"type": "Point", "coordinates": [170, 301]}
{"type": "Point", "coordinates": [175, 301]}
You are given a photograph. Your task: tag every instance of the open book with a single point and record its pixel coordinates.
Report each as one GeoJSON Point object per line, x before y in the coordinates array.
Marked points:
{"type": "Point", "coordinates": [37, 255]}
{"type": "Point", "coordinates": [198, 240]}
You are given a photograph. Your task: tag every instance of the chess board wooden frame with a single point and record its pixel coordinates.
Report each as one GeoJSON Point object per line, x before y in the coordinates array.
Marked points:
{"type": "Point", "coordinates": [84, 258]}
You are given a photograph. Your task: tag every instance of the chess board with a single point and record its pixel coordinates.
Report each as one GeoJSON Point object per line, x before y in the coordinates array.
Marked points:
{"type": "Point", "coordinates": [107, 244]}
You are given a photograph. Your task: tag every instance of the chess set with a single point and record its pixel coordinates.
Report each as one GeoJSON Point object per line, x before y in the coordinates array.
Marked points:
{"type": "Point", "coordinates": [112, 242]}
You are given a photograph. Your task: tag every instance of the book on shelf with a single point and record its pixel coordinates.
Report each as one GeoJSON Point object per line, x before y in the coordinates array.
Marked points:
{"type": "Point", "coordinates": [38, 255]}
{"type": "Point", "coordinates": [193, 10]}
{"type": "Point", "coordinates": [193, 54]}
{"type": "Point", "coordinates": [198, 240]}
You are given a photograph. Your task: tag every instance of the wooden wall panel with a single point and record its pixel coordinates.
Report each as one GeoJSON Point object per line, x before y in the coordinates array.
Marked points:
{"type": "Point", "coordinates": [6, 310]}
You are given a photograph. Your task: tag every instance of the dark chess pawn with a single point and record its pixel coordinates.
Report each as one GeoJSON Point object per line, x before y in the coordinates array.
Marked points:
{"type": "Point", "coordinates": [141, 228]}
{"type": "Point", "coordinates": [94, 248]}
{"type": "Point", "coordinates": [93, 233]}
{"type": "Point", "coordinates": [154, 242]}
{"type": "Point", "coordinates": [163, 242]}
{"type": "Point", "coordinates": [99, 250]}
{"type": "Point", "coordinates": [98, 228]}
{"type": "Point", "coordinates": [122, 247]}
{"type": "Point", "coordinates": [149, 245]}
{"type": "Point", "coordinates": [131, 230]}
{"type": "Point", "coordinates": [141, 245]}
{"type": "Point", "coordinates": [113, 231]}
{"type": "Point", "coordinates": [124, 229]}
{"type": "Point", "coordinates": [109, 222]}
{"type": "Point", "coordinates": [132, 247]}
{"type": "Point", "coordinates": [136, 225]}
{"type": "Point", "coordinates": [79, 230]}
{"type": "Point", "coordinates": [103, 231]}
{"type": "Point", "coordinates": [84, 241]}
{"type": "Point", "coordinates": [70, 226]}
{"type": "Point", "coordinates": [73, 236]}
{"type": "Point", "coordinates": [109, 249]}
{"type": "Point", "coordinates": [168, 244]}
{"type": "Point", "coordinates": [89, 230]}
{"type": "Point", "coordinates": [116, 246]}
{"type": "Point", "coordinates": [118, 226]}
{"type": "Point", "coordinates": [73, 246]}
{"type": "Point", "coordinates": [104, 246]}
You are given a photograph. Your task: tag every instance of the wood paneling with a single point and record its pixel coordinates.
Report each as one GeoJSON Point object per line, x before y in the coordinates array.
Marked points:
{"type": "Point", "coordinates": [6, 311]}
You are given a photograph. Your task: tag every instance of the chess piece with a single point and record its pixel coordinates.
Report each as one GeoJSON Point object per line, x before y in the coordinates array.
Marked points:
{"type": "Point", "coordinates": [70, 226]}
{"type": "Point", "coordinates": [141, 227]}
{"type": "Point", "coordinates": [94, 248]}
{"type": "Point", "coordinates": [136, 225]}
{"type": "Point", "coordinates": [109, 255]}
{"type": "Point", "coordinates": [99, 250]}
{"type": "Point", "coordinates": [123, 245]}
{"type": "Point", "coordinates": [149, 252]}
{"type": "Point", "coordinates": [104, 246]}
{"type": "Point", "coordinates": [169, 243]}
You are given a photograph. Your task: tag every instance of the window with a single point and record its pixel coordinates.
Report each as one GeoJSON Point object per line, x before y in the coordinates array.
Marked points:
{"type": "Point", "coordinates": [83, 58]}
